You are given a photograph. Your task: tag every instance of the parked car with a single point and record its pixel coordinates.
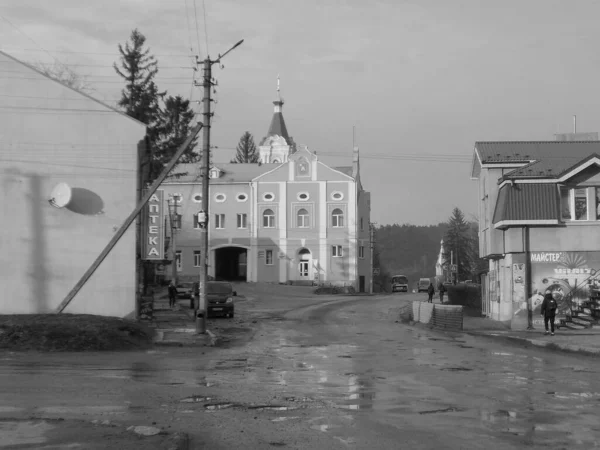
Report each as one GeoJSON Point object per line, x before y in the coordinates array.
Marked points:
{"type": "Point", "coordinates": [423, 284]}
{"type": "Point", "coordinates": [399, 283]}
{"type": "Point", "coordinates": [220, 296]}
{"type": "Point", "coordinates": [185, 290]}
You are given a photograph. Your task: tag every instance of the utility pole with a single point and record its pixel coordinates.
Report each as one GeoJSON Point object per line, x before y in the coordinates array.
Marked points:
{"type": "Point", "coordinates": [203, 215]}
{"type": "Point", "coordinates": [174, 226]}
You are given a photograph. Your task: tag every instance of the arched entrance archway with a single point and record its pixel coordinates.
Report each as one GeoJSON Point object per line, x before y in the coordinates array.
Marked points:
{"type": "Point", "coordinates": [304, 265]}
{"type": "Point", "coordinates": [231, 264]}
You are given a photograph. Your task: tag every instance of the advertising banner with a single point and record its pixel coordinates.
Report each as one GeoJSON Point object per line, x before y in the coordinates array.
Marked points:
{"type": "Point", "coordinates": [153, 232]}
{"type": "Point", "coordinates": [566, 275]}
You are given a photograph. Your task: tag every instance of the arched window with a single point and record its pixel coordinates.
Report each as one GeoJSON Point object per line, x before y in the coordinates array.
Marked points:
{"type": "Point", "coordinates": [303, 219]}
{"type": "Point", "coordinates": [268, 218]}
{"type": "Point", "coordinates": [337, 218]}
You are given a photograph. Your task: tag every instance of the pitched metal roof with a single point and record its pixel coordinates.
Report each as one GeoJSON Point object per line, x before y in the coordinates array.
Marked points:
{"type": "Point", "coordinates": [529, 151]}
{"type": "Point", "coordinates": [344, 169]}
{"type": "Point", "coordinates": [550, 167]}
{"type": "Point", "coordinates": [527, 202]}
{"type": "Point", "coordinates": [231, 173]}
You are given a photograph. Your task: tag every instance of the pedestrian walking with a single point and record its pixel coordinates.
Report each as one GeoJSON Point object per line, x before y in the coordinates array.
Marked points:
{"type": "Point", "coordinates": [431, 291]}
{"type": "Point", "coordinates": [442, 289]}
{"type": "Point", "coordinates": [172, 294]}
{"type": "Point", "coordinates": [549, 307]}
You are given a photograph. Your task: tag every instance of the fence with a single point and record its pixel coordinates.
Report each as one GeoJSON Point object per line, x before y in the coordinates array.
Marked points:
{"type": "Point", "coordinates": [442, 317]}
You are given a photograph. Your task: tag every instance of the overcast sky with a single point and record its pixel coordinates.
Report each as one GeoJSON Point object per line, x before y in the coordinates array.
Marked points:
{"type": "Point", "coordinates": [421, 81]}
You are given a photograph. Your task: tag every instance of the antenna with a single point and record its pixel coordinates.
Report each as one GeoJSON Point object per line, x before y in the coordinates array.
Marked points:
{"type": "Point", "coordinates": [574, 124]}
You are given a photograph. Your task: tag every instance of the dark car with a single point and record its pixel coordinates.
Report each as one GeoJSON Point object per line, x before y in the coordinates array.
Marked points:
{"type": "Point", "coordinates": [185, 290]}
{"type": "Point", "coordinates": [220, 296]}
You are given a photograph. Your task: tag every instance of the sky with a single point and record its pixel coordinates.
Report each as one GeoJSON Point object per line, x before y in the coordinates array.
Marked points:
{"type": "Point", "coordinates": [414, 84]}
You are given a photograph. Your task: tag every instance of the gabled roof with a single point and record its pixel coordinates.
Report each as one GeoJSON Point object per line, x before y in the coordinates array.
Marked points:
{"type": "Point", "coordinates": [230, 173]}
{"type": "Point", "coordinates": [527, 204]}
{"type": "Point", "coordinates": [552, 167]}
{"type": "Point", "coordinates": [529, 151]}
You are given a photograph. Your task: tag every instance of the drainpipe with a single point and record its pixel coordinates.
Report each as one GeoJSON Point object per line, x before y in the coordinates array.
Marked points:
{"type": "Point", "coordinates": [528, 294]}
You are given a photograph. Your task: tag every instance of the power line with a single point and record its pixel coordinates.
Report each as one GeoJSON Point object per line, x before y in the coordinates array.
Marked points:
{"type": "Point", "coordinates": [176, 55]}
{"type": "Point", "coordinates": [205, 27]}
{"type": "Point", "coordinates": [197, 27]}
{"type": "Point", "coordinates": [187, 17]}
{"type": "Point", "coordinates": [30, 38]}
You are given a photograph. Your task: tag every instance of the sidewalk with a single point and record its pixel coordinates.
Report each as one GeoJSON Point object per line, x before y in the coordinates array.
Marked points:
{"type": "Point", "coordinates": [581, 341]}
{"type": "Point", "coordinates": [176, 327]}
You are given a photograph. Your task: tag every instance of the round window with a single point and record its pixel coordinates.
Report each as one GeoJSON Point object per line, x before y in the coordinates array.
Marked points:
{"type": "Point", "coordinates": [268, 196]}
{"type": "Point", "coordinates": [303, 196]}
{"type": "Point", "coordinates": [197, 198]}
{"type": "Point", "coordinates": [242, 197]}
{"type": "Point", "coordinates": [220, 198]}
{"type": "Point", "coordinates": [337, 195]}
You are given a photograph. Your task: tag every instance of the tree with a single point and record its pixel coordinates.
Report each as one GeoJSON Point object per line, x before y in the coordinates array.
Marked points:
{"type": "Point", "coordinates": [66, 75]}
{"type": "Point", "coordinates": [246, 150]}
{"type": "Point", "coordinates": [140, 97]}
{"type": "Point", "coordinates": [173, 127]}
{"type": "Point", "coordinates": [461, 240]}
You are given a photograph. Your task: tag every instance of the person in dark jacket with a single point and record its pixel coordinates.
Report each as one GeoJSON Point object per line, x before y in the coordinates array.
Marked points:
{"type": "Point", "coordinates": [549, 306]}
{"type": "Point", "coordinates": [172, 294]}
{"type": "Point", "coordinates": [431, 291]}
{"type": "Point", "coordinates": [441, 289]}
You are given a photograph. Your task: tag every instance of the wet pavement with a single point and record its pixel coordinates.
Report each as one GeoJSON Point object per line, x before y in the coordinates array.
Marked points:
{"type": "Point", "coordinates": [323, 374]}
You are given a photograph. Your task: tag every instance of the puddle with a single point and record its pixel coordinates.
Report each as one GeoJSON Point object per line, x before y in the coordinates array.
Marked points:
{"type": "Point", "coordinates": [456, 369]}
{"type": "Point", "coordinates": [324, 428]}
{"type": "Point", "coordinates": [443, 410]}
{"type": "Point", "coordinates": [277, 444]}
{"type": "Point", "coordinates": [82, 409]}
{"type": "Point", "coordinates": [283, 419]}
{"type": "Point", "coordinates": [344, 356]}
{"type": "Point", "coordinates": [23, 433]}
{"type": "Point", "coordinates": [465, 346]}
{"type": "Point", "coordinates": [572, 395]}
{"type": "Point", "coordinates": [500, 415]}
{"type": "Point", "coordinates": [272, 408]}
{"type": "Point", "coordinates": [195, 398]}
{"type": "Point", "coordinates": [217, 406]}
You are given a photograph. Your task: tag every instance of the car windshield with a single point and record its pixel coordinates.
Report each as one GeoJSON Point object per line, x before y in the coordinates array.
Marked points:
{"type": "Point", "coordinates": [400, 280]}
{"type": "Point", "coordinates": [219, 288]}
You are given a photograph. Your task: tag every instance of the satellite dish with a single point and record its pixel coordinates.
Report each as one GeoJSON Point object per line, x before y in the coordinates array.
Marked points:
{"type": "Point", "coordinates": [60, 196]}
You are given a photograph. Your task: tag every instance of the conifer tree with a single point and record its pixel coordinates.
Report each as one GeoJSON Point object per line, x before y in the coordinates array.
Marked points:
{"type": "Point", "coordinates": [246, 150]}
{"type": "Point", "coordinates": [173, 127]}
{"type": "Point", "coordinates": [140, 97]}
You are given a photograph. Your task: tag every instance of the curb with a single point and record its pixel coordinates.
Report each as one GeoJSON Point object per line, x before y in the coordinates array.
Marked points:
{"type": "Point", "coordinates": [542, 343]}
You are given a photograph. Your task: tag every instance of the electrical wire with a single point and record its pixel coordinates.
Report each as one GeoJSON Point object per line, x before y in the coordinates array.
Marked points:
{"type": "Point", "coordinates": [31, 39]}
{"type": "Point", "coordinates": [205, 27]}
{"type": "Point", "coordinates": [197, 27]}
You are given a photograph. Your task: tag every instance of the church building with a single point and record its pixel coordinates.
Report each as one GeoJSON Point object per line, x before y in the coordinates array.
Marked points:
{"type": "Point", "coordinates": [288, 219]}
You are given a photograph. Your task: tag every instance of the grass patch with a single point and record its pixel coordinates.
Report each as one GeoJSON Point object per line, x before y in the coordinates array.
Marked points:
{"type": "Point", "coordinates": [71, 332]}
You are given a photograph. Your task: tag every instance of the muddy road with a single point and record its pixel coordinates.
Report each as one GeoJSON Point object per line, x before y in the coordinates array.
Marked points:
{"type": "Point", "coordinates": [335, 373]}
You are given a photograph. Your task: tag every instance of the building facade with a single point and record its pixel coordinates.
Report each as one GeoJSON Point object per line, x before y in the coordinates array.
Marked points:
{"type": "Point", "coordinates": [289, 219]}
{"type": "Point", "coordinates": [539, 226]}
{"type": "Point", "coordinates": [68, 170]}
